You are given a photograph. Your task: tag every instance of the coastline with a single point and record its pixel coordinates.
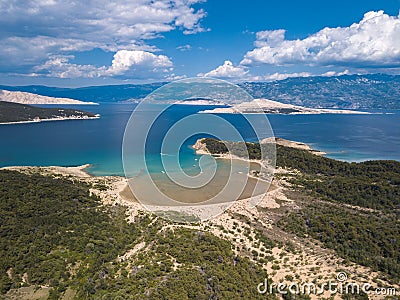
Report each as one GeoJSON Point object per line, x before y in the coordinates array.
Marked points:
{"type": "Point", "coordinates": [266, 106]}
{"type": "Point", "coordinates": [52, 120]}
{"type": "Point", "coordinates": [36, 99]}
{"type": "Point", "coordinates": [322, 112]}
{"type": "Point", "coordinates": [240, 222]}
{"type": "Point", "coordinates": [201, 149]}
{"type": "Point", "coordinates": [78, 171]}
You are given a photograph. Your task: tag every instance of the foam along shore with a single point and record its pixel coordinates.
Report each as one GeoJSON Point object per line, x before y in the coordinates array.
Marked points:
{"type": "Point", "coordinates": [38, 120]}
{"type": "Point", "coordinates": [30, 98]}
{"type": "Point", "coordinates": [265, 106]}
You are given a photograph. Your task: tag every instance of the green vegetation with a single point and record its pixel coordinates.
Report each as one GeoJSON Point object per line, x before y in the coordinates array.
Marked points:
{"type": "Point", "coordinates": [368, 239]}
{"type": "Point", "coordinates": [15, 112]}
{"type": "Point", "coordinates": [54, 233]}
{"type": "Point", "coordinates": [370, 184]}
{"type": "Point", "coordinates": [241, 149]}
{"type": "Point", "coordinates": [368, 234]}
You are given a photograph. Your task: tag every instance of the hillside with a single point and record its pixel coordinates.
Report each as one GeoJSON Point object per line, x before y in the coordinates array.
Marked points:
{"type": "Point", "coordinates": [57, 235]}
{"type": "Point", "coordinates": [273, 107]}
{"type": "Point", "coordinates": [373, 91]}
{"type": "Point", "coordinates": [370, 238]}
{"type": "Point", "coordinates": [29, 98]}
{"type": "Point", "coordinates": [14, 112]}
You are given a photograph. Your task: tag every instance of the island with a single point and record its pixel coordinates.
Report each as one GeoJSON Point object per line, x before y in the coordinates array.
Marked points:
{"type": "Point", "coordinates": [265, 106]}
{"type": "Point", "coordinates": [12, 113]}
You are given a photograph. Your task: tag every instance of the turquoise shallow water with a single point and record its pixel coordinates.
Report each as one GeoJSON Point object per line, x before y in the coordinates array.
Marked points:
{"type": "Point", "coordinates": [99, 142]}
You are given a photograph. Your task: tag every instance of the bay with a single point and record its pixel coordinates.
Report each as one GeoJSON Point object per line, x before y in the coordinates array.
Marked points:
{"type": "Point", "coordinates": [99, 142]}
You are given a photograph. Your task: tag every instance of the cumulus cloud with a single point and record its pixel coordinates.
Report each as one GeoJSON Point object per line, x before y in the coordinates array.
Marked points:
{"type": "Point", "coordinates": [136, 64]}
{"type": "Point", "coordinates": [60, 67]}
{"type": "Point", "coordinates": [132, 61]}
{"type": "Point", "coordinates": [227, 70]}
{"type": "Point", "coordinates": [334, 73]}
{"type": "Point", "coordinates": [373, 42]}
{"type": "Point", "coordinates": [282, 76]}
{"type": "Point", "coordinates": [34, 31]}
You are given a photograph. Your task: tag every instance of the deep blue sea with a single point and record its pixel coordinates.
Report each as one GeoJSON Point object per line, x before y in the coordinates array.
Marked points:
{"type": "Point", "coordinates": [99, 142]}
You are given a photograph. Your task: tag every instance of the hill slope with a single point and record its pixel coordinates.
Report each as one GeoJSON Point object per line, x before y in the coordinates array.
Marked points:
{"type": "Point", "coordinates": [14, 112]}
{"type": "Point", "coordinates": [29, 98]}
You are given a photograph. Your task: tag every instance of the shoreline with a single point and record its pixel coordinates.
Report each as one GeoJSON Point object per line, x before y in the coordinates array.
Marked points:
{"type": "Point", "coordinates": [78, 171]}
{"type": "Point", "coordinates": [201, 149]}
{"type": "Point", "coordinates": [325, 112]}
{"type": "Point", "coordinates": [51, 120]}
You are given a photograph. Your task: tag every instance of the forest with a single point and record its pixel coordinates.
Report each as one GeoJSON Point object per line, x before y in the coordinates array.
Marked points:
{"type": "Point", "coordinates": [54, 233]}
{"type": "Point", "coordinates": [370, 184]}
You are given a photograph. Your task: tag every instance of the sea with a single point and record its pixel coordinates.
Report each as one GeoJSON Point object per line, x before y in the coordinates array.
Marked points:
{"type": "Point", "coordinates": [98, 142]}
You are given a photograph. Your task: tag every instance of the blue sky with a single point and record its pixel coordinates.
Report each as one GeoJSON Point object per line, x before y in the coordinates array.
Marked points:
{"type": "Point", "coordinates": [77, 43]}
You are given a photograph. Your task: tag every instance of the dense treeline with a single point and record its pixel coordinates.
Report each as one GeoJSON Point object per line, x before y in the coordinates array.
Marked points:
{"type": "Point", "coordinates": [371, 184]}
{"type": "Point", "coordinates": [54, 233]}
{"type": "Point", "coordinates": [241, 149]}
{"type": "Point", "coordinates": [50, 225]}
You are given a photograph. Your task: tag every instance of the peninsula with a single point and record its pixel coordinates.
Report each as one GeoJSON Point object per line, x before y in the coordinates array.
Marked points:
{"type": "Point", "coordinates": [30, 98]}
{"type": "Point", "coordinates": [265, 106]}
{"type": "Point", "coordinates": [11, 113]}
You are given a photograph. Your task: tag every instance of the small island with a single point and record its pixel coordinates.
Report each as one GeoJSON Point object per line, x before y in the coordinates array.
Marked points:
{"type": "Point", "coordinates": [12, 113]}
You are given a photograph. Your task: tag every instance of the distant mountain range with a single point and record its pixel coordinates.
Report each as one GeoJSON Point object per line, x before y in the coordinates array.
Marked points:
{"type": "Point", "coordinates": [374, 91]}
{"type": "Point", "coordinates": [106, 93]}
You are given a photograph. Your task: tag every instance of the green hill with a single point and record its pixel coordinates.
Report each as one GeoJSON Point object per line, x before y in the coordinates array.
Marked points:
{"type": "Point", "coordinates": [53, 233]}
{"type": "Point", "coordinates": [15, 112]}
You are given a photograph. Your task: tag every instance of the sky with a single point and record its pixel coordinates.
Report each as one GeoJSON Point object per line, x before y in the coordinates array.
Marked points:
{"type": "Point", "coordinates": [98, 42]}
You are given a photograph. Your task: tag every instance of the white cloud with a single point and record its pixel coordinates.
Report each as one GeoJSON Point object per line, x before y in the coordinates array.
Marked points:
{"type": "Point", "coordinates": [33, 31]}
{"type": "Point", "coordinates": [60, 67]}
{"type": "Point", "coordinates": [283, 76]}
{"type": "Point", "coordinates": [227, 70]}
{"type": "Point", "coordinates": [334, 73]}
{"type": "Point", "coordinates": [373, 42]}
{"type": "Point", "coordinates": [132, 61]}
{"type": "Point", "coordinates": [186, 47]}
{"type": "Point", "coordinates": [135, 64]}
